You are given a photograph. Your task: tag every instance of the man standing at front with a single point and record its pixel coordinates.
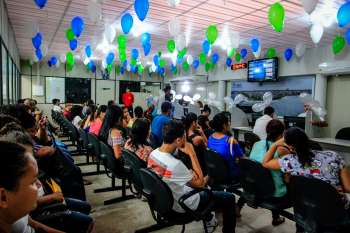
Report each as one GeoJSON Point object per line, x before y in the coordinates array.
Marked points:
{"type": "Point", "coordinates": [128, 100]}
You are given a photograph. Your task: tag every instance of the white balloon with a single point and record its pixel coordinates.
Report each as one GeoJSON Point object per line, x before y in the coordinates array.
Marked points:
{"type": "Point", "coordinates": [104, 64]}
{"type": "Point", "coordinates": [316, 32]}
{"type": "Point", "coordinates": [178, 96]}
{"type": "Point", "coordinates": [257, 53]}
{"type": "Point", "coordinates": [63, 58]}
{"type": "Point", "coordinates": [235, 39]}
{"type": "Point", "coordinates": [180, 42]}
{"type": "Point", "coordinates": [95, 10]}
{"type": "Point", "coordinates": [86, 61]}
{"type": "Point", "coordinates": [196, 97]}
{"type": "Point", "coordinates": [229, 101]}
{"type": "Point", "coordinates": [110, 33]}
{"type": "Point", "coordinates": [187, 98]}
{"type": "Point", "coordinates": [309, 5]}
{"type": "Point", "coordinates": [174, 27]}
{"type": "Point", "coordinates": [154, 67]}
{"type": "Point", "coordinates": [211, 95]}
{"type": "Point", "coordinates": [239, 99]}
{"type": "Point", "coordinates": [58, 64]}
{"type": "Point", "coordinates": [259, 107]}
{"type": "Point", "coordinates": [189, 59]}
{"type": "Point", "coordinates": [267, 98]}
{"type": "Point", "coordinates": [173, 3]}
{"type": "Point", "coordinates": [128, 67]}
{"type": "Point", "coordinates": [300, 49]}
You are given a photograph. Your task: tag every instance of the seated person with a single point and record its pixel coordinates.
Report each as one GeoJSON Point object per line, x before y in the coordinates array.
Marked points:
{"type": "Point", "coordinates": [159, 121]}
{"type": "Point", "coordinates": [226, 146]}
{"type": "Point", "coordinates": [325, 165]}
{"type": "Point", "coordinates": [56, 106]}
{"type": "Point", "coordinates": [127, 119]}
{"type": "Point", "coordinates": [137, 143]}
{"type": "Point", "coordinates": [206, 111]}
{"type": "Point", "coordinates": [67, 111]}
{"type": "Point", "coordinates": [274, 130]}
{"type": "Point", "coordinates": [203, 122]}
{"type": "Point", "coordinates": [182, 180]}
{"type": "Point", "coordinates": [97, 119]}
{"type": "Point", "coordinates": [260, 124]}
{"type": "Point", "coordinates": [76, 115]}
{"type": "Point", "coordinates": [138, 112]}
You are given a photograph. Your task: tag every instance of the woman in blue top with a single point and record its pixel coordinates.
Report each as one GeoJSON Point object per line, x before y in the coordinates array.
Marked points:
{"type": "Point", "coordinates": [274, 131]}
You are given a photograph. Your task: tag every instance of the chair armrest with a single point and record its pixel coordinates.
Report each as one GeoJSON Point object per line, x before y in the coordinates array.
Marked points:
{"type": "Point", "coordinates": [198, 215]}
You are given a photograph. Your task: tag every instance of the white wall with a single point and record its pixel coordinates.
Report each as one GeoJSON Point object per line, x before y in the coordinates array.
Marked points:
{"type": "Point", "coordinates": [7, 34]}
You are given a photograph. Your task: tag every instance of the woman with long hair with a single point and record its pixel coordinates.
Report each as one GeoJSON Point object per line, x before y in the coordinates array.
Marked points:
{"type": "Point", "coordinates": [76, 115]}
{"type": "Point", "coordinates": [96, 120]}
{"type": "Point", "coordinates": [139, 135]}
{"type": "Point", "coordinates": [112, 130]}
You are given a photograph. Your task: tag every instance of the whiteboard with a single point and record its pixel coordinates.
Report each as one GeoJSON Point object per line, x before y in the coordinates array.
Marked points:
{"type": "Point", "coordinates": [55, 89]}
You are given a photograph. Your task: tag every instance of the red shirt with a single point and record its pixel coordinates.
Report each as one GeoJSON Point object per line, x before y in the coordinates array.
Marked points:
{"type": "Point", "coordinates": [128, 99]}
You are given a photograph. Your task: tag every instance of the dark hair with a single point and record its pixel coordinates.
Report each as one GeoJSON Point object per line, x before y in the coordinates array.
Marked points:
{"type": "Point", "coordinates": [269, 111]}
{"type": "Point", "coordinates": [167, 88]}
{"type": "Point", "coordinates": [20, 101]}
{"type": "Point", "coordinates": [110, 103]}
{"type": "Point", "coordinates": [206, 109]}
{"type": "Point", "coordinates": [219, 121]}
{"type": "Point", "coordinates": [274, 129]}
{"type": "Point", "coordinates": [101, 108]}
{"type": "Point", "coordinates": [189, 119]}
{"type": "Point", "coordinates": [166, 107]}
{"type": "Point", "coordinates": [228, 115]}
{"type": "Point", "coordinates": [202, 121]}
{"type": "Point", "coordinates": [89, 102]}
{"type": "Point", "coordinates": [19, 111]}
{"type": "Point", "coordinates": [172, 130]}
{"type": "Point", "coordinates": [297, 138]}
{"type": "Point", "coordinates": [138, 111]}
{"type": "Point", "coordinates": [55, 101]}
{"type": "Point", "coordinates": [139, 132]}
{"type": "Point", "coordinates": [13, 163]}
{"type": "Point", "coordinates": [91, 112]}
{"type": "Point", "coordinates": [5, 119]}
{"type": "Point", "coordinates": [114, 115]}
{"type": "Point", "coordinates": [13, 132]}
{"type": "Point", "coordinates": [76, 110]}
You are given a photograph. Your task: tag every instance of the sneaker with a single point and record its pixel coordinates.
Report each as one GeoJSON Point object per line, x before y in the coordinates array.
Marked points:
{"type": "Point", "coordinates": [212, 224]}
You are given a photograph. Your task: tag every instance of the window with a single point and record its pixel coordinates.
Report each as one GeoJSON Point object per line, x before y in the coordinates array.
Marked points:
{"type": "Point", "coordinates": [10, 79]}
{"type": "Point", "coordinates": [54, 89]}
{"type": "Point", "coordinates": [4, 74]}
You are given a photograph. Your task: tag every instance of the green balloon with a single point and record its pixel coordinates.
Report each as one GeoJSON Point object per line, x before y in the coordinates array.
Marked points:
{"type": "Point", "coordinates": [70, 58]}
{"type": "Point", "coordinates": [238, 57]}
{"type": "Point", "coordinates": [276, 16]}
{"type": "Point", "coordinates": [69, 67]}
{"type": "Point", "coordinates": [202, 58]}
{"type": "Point", "coordinates": [185, 66]}
{"type": "Point", "coordinates": [271, 52]}
{"type": "Point", "coordinates": [207, 67]}
{"type": "Point", "coordinates": [109, 68]}
{"type": "Point", "coordinates": [122, 56]}
{"type": "Point", "coordinates": [231, 52]}
{"type": "Point", "coordinates": [133, 62]}
{"type": "Point", "coordinates": [162, 63]}
{"type": "Point", "coordinates": [69, 34]}
{"type": "Point", "coordinates": [212, 66]}
{"type": "Point", "coordinates": [212, 34]}
{"type": "Point", "coordinates": [182, 53]}
{"type": "Point", "coordinates": [117, 69]}
{"type": "Point", "coordinates": [140, 68]}
{"type": "Point", "coordinates": [122, 39]}
{"type": "Point", "coordinates": [175, 71]}
{"type": "Point", "coordinates": [338, 44]}
{"type": "Point", "coordinates": [171, 46]}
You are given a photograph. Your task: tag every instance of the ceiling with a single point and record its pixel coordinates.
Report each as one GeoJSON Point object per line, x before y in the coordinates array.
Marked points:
{"type": "Point", "coordinates": [248, 17]}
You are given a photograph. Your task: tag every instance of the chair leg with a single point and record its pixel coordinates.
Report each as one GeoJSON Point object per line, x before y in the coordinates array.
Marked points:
{"type": "Point", "coordinates": [205, 227]}
{"type": "Point", "coordinates": [124, 197]}
{"type": "Point", "coordinates": [153, 228]}
{"type": "Point", "coordinates": [183, 228]}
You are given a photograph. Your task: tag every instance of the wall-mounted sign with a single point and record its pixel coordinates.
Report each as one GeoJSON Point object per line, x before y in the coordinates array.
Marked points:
{"type": "Point", "coordinates": [239, 66]}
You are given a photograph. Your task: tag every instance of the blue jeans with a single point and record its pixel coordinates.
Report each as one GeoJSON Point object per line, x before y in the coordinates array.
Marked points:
{"type": "Point", "coordinates": [78, 205]}
{"type": "Point", "coordinates": [225, 202]}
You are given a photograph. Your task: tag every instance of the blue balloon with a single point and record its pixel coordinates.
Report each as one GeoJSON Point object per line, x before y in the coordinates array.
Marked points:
{"type": "Point", "coordinates": [288, 54]}
{"type": "Point", "coordinates": [347, 36]}
{"type": "Point", "coordinates": [244, 53]}
{"type": "Point", "coordinates": [172, 67]}
{"type": "Point", "coordinates": [92, 66]}
{"type": "Point", "coordinates": [49, 63]}
{"type": "Point", "coordinates": [228, 62]}
{"type": "Point", "coordinates": [145, 38]}
{"type": "Point", "coordinates": [156, 60]}
{"type": "Point", "coordinates": [134, 54]}
{"type": "Point", "coordinates": [161, 70]}
{"type": "Point", "coordinates": [88, 51]}
{"type": "Point", "coordinates": [343, 15]}
{"type": "Point", "coordinates": [147, 48]}
{"type": "Point", "coordinates": [122, 70]}
{"type": "Point", "coordinates": [73, 44]}
{"type": "Point", "coordinates": [179, 60]}
{"type": "Point", "coordinates": [255, 44]}
{"type": "Point", "coordinates": [195, 64]}
{"type": "Point", "coordinates": [77, 25]}
{"type": "Point", "coordinates": [39, 54]}
{"type": "Point", "coordinates": [141, 8]}
{"type": "Point", "coordinates": [125, 64]}
{"type": "Point", "coordinates": [132, 68]}
{"type": "Point", "coordinates": [206, 47]}
{"type": "Point", "coordinates": [40, 3]}
{"type": "Point", "coordinates": [127, 23]}
{"type": "Point", "coordinates": [110, 58]}
{"type": "Point", "coordinates": [36, 40]}
{"type": "Point", "coordinates": [53, 60]}
{"type": "Point", "coordinates": [215, 58]}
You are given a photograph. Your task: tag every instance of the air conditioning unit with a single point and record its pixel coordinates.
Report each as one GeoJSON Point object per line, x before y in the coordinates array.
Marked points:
{"type": "Point", "coordinates": [337, 67]}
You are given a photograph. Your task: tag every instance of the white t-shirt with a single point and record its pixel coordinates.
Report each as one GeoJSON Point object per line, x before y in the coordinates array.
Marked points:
{"type": "Point", "coordinates": [176, 175]}
{"type": "Point", "coordinates": [76, 121]}
{"type": "Point", "coordinates": [260, 126]}
{"type": "Point", "coordinates": [21, 226]}
{"type": "Point", "coordinates": [57, 108]}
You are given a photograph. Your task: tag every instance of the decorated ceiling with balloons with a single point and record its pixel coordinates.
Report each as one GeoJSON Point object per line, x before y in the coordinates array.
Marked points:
{"type": "Point", "coordinates": [174, 34]}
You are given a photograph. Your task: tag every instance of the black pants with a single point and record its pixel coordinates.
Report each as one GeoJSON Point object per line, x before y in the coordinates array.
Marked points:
{"type": "Point", "coordinates": [222, 201]}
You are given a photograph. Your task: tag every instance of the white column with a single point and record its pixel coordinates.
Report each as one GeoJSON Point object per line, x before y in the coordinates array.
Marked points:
{"type": "Point", "coordinates": [321, 89]}
{"type": "Point", "coordinates": [221, 94]}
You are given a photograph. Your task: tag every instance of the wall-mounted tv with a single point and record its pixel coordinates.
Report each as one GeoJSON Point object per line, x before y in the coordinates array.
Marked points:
{"type": "Point", "coordinates": [263, 70]}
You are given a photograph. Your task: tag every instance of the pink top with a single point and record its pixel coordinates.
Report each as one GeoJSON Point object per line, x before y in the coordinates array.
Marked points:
{"type": "Point", "coordinates": [95, 126]}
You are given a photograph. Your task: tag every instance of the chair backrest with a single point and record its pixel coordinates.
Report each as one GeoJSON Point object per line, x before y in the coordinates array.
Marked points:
{"type": "Point", "coordinates": [135, 163]}
{"type": "Point", "coordinates": [110, 162]}
{"type": "Point", "coordinates": [158, 193]}
{"type": "Point", "coordinates": [256, 180]}
{"type": "Point", "coordinates": [84, 137]}
{"type": "Point", "coordinates": [316, 203]}
{"type": "Point", "coordinates": [344, 134]}
{"type": "Point", "coordinates": [250, 139]}
{"type": "Point", "coordinates": [217, 167]}
{"type": "Point", "coordinates": [95, 144]}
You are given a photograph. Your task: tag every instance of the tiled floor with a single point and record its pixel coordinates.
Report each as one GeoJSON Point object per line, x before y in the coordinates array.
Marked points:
{"type": "Point", "coordinates": [127, 216]}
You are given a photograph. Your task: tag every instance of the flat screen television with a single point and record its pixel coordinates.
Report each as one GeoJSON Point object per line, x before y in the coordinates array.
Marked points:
{"type": "Point", "coordinates": [263, 70]}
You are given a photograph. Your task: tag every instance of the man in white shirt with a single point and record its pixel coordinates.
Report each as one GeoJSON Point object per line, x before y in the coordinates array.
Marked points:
{"type": "Point", "coordinates": [261, 122]}
{"type": "Point", "coordinates": [56, 106]}
{"type": "Point", "coordinates": [181, 180]}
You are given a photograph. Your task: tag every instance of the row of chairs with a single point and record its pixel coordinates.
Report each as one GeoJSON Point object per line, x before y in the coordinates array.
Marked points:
{"type": "Point", "coordinates": [310, 197]}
